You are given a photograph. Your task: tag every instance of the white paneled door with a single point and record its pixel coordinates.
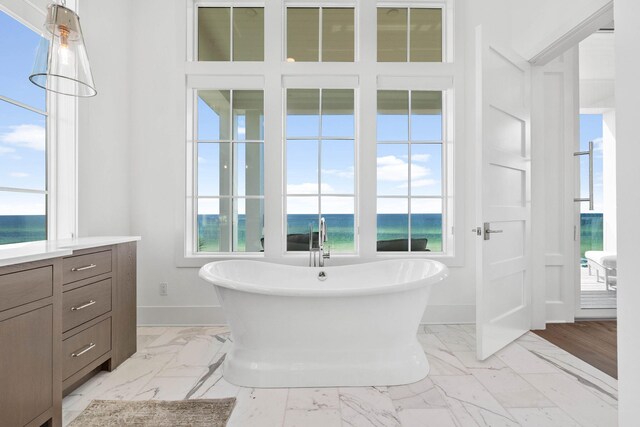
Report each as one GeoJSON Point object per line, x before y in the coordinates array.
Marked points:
{"type": "Point", "coordinates": [503, 294]}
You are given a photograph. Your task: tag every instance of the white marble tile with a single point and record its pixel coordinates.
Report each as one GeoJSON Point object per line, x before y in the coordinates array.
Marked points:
{"type": "Point", "coordinates": [194, 358]}
{"type": "Point", "coordinates": [144, 340]}
{"type": "Point", "coordinates": [441, 360]}
{"type": "Point", "coordinates": [426, 418]}
{"type": "Point", "coordinates": [455, 337]}
{"type": "Point", "coordinates": [470, 403]}
{"type": "Point", "coordinates": [470, 361]}
{"type": "Point", "coordinates": [259, 407]}
{"type": "Point", "coordinates": [313, 399]}
{"type": "Point", "coordinates": [166, 388]}
{"type": "Point", "coordinates": [312, 418]}
{"type": "Point", "coordinates": [576, 400]}
{"type": "Point", "coordinates": [216, 387]}
{"type": "Point", "coordinates": [522, 361]}
{"type": "Point", "coordinates": [367, 406]}
{"type": "Point", "coordinates": [68, 416]}
{"type": "Point", "coordinates": [151, 330]}
{"type": "Point", "coordinates": [510, 389]}
{"type": "Point", "coordinates": [420, 395]}
{"type": "Point", "coordinates": [543, 417]}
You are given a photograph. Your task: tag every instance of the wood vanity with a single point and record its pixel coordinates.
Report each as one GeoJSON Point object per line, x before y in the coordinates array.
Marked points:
{"type": "Point", "coordinates": [63, 319]}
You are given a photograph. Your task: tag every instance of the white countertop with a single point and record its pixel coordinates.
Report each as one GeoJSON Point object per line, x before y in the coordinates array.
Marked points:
{"type": "Point", "coordinates": [17, 253]}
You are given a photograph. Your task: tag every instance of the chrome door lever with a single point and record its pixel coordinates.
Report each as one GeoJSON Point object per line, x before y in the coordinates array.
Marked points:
{"type": "Point", "coordinates": [488, 231]}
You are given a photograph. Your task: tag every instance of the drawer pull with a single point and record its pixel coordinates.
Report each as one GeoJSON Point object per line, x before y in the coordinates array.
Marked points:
{"type": "Point", "coordinates": [80, 307]}
{"type": "Point", "coordinates": [80, 353]}
{"type": "Point", "coordinates": [86, 267]}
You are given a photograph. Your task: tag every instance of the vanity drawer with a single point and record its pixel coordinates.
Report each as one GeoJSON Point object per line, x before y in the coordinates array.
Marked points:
{"type": "Point", "coordinates": [26, 286]}
{"type": "Point", "coordinates": [88, 302]}
{"type": "Point", "coordinates": [83, 348]}
{"type": "Point", "coordinates": [84, 266]}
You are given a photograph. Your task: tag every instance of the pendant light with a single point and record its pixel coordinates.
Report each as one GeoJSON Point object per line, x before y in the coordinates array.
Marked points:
{"type": "Point", "coordinates": [62, 64]}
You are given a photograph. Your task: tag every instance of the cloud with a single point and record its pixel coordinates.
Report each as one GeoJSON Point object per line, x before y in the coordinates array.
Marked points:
{"type": "Point", "coordinates": [309, 188]}
{"type": "Point", "coordinates": [419, 183]}
{"type": "Point", "coordinates": [394, 169]}
{"type": "Point", "coordinates": [422, 158]}
{"type": "Point", "coordinates": [6, 150]}
{"type": "Point", "coordinates": [340, 173]}
{"type": "Point", "coordinates": [19, 174]}
{"type": "Point", "coordinates": [28, 136]}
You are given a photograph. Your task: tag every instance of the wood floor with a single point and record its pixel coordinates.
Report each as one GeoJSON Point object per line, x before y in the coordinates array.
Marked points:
{"type": "Point", "coordinates": [595, 342]}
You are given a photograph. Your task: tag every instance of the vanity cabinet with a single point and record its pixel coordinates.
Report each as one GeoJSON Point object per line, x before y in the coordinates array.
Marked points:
{"type": "Point", "coordinates": [61, 321]}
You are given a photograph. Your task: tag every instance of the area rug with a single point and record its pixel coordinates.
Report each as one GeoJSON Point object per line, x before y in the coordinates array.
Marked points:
{"type": "Point", "coordinates": [156, 413]}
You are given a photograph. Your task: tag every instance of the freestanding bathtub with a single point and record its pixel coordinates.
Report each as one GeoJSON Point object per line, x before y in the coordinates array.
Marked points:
{"type": "Point", "coordinates": [351, 325]}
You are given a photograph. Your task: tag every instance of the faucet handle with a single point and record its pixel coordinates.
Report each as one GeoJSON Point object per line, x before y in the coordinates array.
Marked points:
{"type": "Point", "coordinates": [327, 253]}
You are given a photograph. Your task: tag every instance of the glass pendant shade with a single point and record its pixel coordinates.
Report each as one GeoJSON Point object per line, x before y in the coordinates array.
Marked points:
{"type": "Point", "coordinates": [62, 64]}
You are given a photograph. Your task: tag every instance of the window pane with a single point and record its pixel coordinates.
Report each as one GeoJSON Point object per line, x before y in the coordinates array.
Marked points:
{"type": "Point", "coordinates": [248, 115]}
{"type": "Point", "coordinates": [337, 113]}
{"type": "Point", "coordinates": [214, 34]}
{"type": "Point", "coordinates": [302, 212]}
{"type": "Point", "coordinates": [426, 35]}
{"type": "Point", "coordinates": [248, 34]}
{"type": "Point", "coordinates": [393, 225]}
{"type": "Point", "coordinates": [339, 215]}
{"type": "Point", "coordinates": [213, 228]}
{"type": "Point", "coordinates": [426, 116]}
{"type": "Point", "coordinates": [337, 35]}
{"type": "Point", "coordinates": [248, 169]}
{"type": "Point", "coordinates": [18, 45]}
{"type": "Point", "coordinates": [426, 224]}
{"type": "Point", "coordinates": [303, 34]}
{"type": "Point", "coordinates": [392, 35]}
{"type": "Point", "coordinates": [22, 217]}
{"type": "Point", "coordinates": [302, 167]}
{"type": "Point", "coordinates": [22, 148]}
{"type": "Point", "coordinates": [426, 169]}
{"type": "Point", "coordinates": [393, 169]}
{"type": "Point", "coordinates": [338, 159]}
{"type": "Point", "coordinates": [393, 115]}
{"type": "Point", "coordinates": [214, 169]}
{"type": "Point", "coordinates": [303, 113]}
{"type": "Point", "coordinates": [248, 225]}
{"type": "Point", "coordinates": [213, 115]}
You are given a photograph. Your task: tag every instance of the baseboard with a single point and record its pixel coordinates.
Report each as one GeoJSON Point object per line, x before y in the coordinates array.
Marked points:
{"type": "Point", "coordinates": [212, 315]}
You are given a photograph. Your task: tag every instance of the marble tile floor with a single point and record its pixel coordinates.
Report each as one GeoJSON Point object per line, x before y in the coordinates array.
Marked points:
{"type": "Point", "coordinates": [529, 383]}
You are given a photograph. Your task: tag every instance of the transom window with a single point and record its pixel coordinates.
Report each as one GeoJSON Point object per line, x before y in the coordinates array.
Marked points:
{"type": "Point", "coordinates": [320, 34]}
{"type": "Point", "coordinates": [409, 35]}
{"type": "Point", "coordinates": [230, 182]}
{"type": "Point", "coordinates": [231, 34]}
{"type": "Point", "coordinates": [409, 163]}
{"type": "Point", "coordinates": [320, 166]}
{"type": "Point", "coordinates": [23, 137]}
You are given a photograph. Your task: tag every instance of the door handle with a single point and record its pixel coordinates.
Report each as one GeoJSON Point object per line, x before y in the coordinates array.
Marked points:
{"type": "Point", "coordinates": [588, 153]}
{"type": "Point", "coordinates": [488, 231]}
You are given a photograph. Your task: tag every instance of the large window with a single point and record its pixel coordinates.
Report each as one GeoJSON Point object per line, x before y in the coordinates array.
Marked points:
{"type": "Point", "coordinates": [409, 162]}
{"type": "Point", "coordinates": [231, 33]}
{"type": "Point", "coordinates": [230, 153]}
{"type": "Point", "coordinates": [320, 167]}
{"type": "Point", "coordinates": [409, 34]}
{"type": "Point", "coordinates": [23, 141]}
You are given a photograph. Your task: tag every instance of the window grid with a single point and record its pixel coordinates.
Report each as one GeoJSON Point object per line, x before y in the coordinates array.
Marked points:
{"type": "Point", "coordinates": [319, 196]}
{"type": "Point", "coordinates": [410, 142]}
{"type": "Point", "coordinates": [231, 196]}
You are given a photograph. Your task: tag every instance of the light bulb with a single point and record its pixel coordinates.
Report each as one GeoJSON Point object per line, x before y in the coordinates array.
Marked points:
{"type": "Point", "coordinates": [64, 52]}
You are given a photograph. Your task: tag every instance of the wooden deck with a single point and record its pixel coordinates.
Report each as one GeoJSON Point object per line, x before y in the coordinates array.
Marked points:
{"type": "Point", "coordinates": [595, 342]}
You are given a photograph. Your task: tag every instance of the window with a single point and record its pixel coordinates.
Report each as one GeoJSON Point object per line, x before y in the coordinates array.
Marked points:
{"type": "Point", "coordinates": [23, 140]}
{"type": "Point", "coordinates": [409, 34]}
{"type": "Point", "coordinates": [320, 166]}
{"type": "Point", "coordinates": [230, 33]}
{"type": "Point", "coordinates": [409, 171]}
{"type": "Point", "coordinates": [320, 34]}
{"type": "Point", "coordinates": [230, 157]}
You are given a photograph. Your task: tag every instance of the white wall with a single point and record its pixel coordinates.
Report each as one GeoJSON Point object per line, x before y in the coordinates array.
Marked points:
{"type": "Point", "coordinates": [628, 176]}
{"type": "Point", "coordinates": [104, 142]}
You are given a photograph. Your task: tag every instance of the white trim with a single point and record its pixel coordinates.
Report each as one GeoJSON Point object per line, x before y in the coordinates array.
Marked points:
{"type": "Point", "coordinates": [214, 315]}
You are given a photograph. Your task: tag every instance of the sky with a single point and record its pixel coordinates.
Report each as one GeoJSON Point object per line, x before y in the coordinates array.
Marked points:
{"type": "Point", "coordinates": [330, 136]}
{"type": "Point", "coordinates": [22, 132]}
{"type": "Point", "coordinates": [591, 130]}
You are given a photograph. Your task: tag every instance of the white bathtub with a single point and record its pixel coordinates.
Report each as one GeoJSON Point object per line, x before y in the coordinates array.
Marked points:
{"type": "Point", "coordinates": [355, 328]}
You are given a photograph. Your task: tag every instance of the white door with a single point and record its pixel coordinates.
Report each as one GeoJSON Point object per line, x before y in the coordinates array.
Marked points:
{"type": "Point", "coordinates": [503, 295]}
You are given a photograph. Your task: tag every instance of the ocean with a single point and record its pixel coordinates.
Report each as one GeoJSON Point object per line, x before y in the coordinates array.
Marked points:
{"type": "Point", "coordinates": [25, 228]}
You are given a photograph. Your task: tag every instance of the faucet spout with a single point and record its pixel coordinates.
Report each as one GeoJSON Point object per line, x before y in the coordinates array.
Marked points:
{"type": "Point", "coordinates": [322, 239]}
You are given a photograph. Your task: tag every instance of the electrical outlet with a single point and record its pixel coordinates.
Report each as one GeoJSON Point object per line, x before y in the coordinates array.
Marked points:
{"type": "Point", "coordinates": [164, 289]}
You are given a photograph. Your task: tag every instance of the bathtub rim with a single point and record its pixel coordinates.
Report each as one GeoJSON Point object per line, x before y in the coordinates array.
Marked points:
{"type": "Point", "coordinates": [206, 274]}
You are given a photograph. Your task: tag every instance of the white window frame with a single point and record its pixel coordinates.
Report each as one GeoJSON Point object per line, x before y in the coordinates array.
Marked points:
{"type": "Point", "coordinates": [61, 137]}
{"type": "Point", "coordinates": [366, 76]}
